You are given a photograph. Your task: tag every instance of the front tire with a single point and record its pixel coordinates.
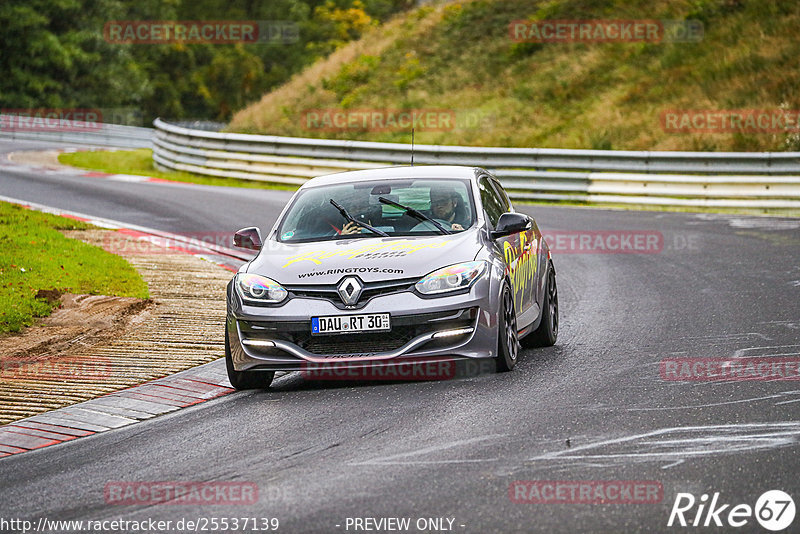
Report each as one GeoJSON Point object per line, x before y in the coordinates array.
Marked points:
{"type": "Point", "coordinates": [507, 339]}
{"type": "Point", "coordinates": [547, 333]}
{"type": "Point", "coordinates": [241, 380]}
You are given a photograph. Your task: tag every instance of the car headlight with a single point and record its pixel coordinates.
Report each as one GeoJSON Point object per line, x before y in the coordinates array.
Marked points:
{"type": "Point", "coordinates": [255, 289]}
{"type": "Point", "coordinates": [451, 278]}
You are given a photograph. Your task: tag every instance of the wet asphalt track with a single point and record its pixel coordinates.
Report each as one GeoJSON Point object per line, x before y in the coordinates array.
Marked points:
{"type": "Point", "coordinates": [323, 452]}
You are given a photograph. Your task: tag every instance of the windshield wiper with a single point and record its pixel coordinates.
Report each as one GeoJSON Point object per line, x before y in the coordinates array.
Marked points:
{"type": "Point", "coordinates": [414, 213]}
{"type": "Point", "coordinates": [359, 223]}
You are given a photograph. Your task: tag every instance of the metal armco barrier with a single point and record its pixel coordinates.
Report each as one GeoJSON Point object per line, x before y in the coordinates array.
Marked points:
{"type": "Point", "coordinates": [692, 179]}
{"type": "Point", "coordinates": [102, 135]}
{"type": "Point", "coordinates": [718, 179]}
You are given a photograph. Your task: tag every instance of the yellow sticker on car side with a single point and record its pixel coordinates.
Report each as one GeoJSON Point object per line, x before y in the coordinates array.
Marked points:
{"type": "Point", "coordinates": [521, 262]}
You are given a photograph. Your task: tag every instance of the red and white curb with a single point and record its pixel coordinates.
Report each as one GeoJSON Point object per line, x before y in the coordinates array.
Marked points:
{"type": "Point", "coordinates": [116, 410]}
{"type": "Point", "coordinates": [226, 258]}
{"type": "Point", "coordinates": [79, 173]}
{"type": "Point", "coordinates": [129, 178]}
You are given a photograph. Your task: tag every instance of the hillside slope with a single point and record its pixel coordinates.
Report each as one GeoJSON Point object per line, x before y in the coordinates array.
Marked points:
{"type": "Point", "coordinates": [460, 57]}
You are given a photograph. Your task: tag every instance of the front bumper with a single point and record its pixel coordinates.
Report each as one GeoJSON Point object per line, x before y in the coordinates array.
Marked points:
{"type": "Point", "coordinates": [279, 338]}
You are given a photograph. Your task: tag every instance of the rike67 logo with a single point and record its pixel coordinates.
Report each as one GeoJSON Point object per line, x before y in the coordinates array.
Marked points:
{"type": "Point", "coordinates": [774, 510]}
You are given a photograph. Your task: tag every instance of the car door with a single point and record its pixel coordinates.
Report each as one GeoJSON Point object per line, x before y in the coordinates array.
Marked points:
{"type": "Point", "coordinates": [519, 250]}
{"type": "Point", "coordinates": [532, 260]}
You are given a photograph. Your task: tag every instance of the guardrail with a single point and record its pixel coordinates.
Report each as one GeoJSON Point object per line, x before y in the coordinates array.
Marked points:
{"type": "Point", "coordinates": [719, 179]}
{"type": "Point", "coordinates": [714, 179]}
{"type": "Point", "coordinates": [98, 134]}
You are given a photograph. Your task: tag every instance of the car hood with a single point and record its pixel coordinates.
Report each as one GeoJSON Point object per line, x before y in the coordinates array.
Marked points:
{"type": "Point", "coordinates": [371, 259]}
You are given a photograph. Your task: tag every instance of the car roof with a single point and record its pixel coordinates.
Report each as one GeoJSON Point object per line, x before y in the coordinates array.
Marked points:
{"type": "Point", "coordinates": [394, 173]}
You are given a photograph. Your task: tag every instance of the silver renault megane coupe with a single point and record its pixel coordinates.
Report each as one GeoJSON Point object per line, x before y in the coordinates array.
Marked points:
{"type": "Point", "coordinates": [386, 267]}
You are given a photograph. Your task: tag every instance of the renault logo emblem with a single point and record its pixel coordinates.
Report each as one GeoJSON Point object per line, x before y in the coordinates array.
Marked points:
{"type": "Point", "coordinates": [350, 290]}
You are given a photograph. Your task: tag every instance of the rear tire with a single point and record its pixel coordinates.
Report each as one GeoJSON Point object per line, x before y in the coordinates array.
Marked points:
{"type": "Point", "coordinates": [507, 340]}
{"type": "Point", "coordinates": [245, 379]}
{"type": "Point", "coordinates": [547, 333]}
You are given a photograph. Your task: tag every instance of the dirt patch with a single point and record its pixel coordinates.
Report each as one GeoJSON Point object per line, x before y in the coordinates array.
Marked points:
{"type": "Point", "coordinates": [80, 322]}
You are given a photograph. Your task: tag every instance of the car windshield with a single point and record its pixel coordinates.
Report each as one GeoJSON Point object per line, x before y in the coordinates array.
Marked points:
{"type": "Point", "coordinates": [312, 216]}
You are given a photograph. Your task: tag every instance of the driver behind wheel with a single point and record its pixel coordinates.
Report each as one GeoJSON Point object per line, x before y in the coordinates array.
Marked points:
{"type": "Point", "coordinates": [448, 206]}
{"type": "Point", "coordinates": [359, 207]}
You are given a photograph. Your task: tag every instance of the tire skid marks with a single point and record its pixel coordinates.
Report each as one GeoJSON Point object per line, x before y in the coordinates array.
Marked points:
{"type": "Point", "coordinates": [781, 395]}
{"type": "Point", "coordinates": [677, 444]}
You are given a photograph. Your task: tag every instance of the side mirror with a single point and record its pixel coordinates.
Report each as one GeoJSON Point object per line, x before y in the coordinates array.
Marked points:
{"type": "Point", "coordinates": [510, 223]}
{"type": "Point", "coordinates": [249, 238]}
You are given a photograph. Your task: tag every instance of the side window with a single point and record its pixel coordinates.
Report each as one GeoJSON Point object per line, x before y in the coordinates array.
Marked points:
{"type": "Point", "coordinates": [491, 202]}
{"type": "Point", "coordinates": [504, 200]}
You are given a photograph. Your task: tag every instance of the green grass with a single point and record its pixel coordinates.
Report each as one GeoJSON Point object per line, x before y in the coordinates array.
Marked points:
{"type": "Point", "coordinates": [459, 56]}
{"type": "Point", "coordinates": [140, 162]}
{"type": "Point", "coordinates": [35, 256]}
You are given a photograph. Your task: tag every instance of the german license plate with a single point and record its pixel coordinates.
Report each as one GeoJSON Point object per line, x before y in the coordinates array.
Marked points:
{"type": "Point", "coordinates": [340, 324]}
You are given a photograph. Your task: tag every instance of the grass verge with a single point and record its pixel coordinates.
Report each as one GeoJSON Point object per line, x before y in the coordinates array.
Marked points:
{"type": "Point", "coordinates": [35, 256]}
{"type": "Point", "coordinates": [140, 162]}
